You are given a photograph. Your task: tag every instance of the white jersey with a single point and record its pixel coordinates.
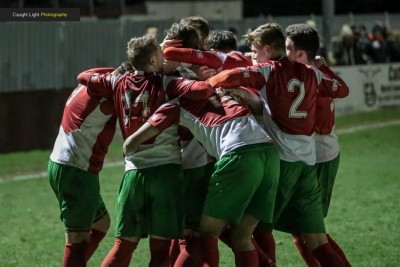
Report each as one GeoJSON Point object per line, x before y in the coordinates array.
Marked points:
{"type": "Point", "coordinates": [326, 147]}
{"type": "Point", "coordinates": [194, 155]}
{"type": "Point", "coordinates": [164, 150]}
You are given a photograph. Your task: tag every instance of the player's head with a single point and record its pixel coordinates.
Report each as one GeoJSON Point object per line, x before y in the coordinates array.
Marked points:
{"type": "Point", "coordinates": [144, 53]}
{"type": "Point", "coordinates": [302, 43]}
{"type": "Point", "coordinates": [200, 24]}
{"type": "Point", "coordinates": [266, 42]}
{"type": "Point", "coordinates": [222, 41]}
{"type": "Point", "coordinates": [188, 34]}
{"type": "Point", "coordinates": [152, 30]}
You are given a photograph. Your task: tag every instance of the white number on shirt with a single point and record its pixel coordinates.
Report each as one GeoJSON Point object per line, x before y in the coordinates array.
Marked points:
{"type": "Point", "coordinates": [74, 93]}
{"type": "Point", "coordinates": [293, 112]}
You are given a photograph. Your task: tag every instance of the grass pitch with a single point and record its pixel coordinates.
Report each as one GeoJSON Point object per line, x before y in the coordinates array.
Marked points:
{"type": "Point", "coordinates": [364, 216]}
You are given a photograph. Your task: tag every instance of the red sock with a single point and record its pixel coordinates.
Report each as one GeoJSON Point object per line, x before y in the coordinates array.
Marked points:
{"type": "Point", "coordinates": [120, 254]}
{"type": "Point", "coordinates": [263, 259]}
{"type": "Point", "coordinates": [173, 252]}
{"type": "Point", "coordinates": [209, 251]}
{"type": "Point", "coordinates": [327, 257]}
{"type": "Point", "coordinates": [159, 252]}
{"type": "Point", "coordinates": [338, 251]}
{"type": "Point", "coordinates": [265, 240]}
{"type": "Point", "coordinates": [246, 259]}
{"type": "Point", "coordinates": [305, 253]}
{"type": "Point", "coordinates": [94, 240]}
{"type": "Point", "coordinates": [74, 254]}
{"type": "Point", "coordinates": [190, 252]}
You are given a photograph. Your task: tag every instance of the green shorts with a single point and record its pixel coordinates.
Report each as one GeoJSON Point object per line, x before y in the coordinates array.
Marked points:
{"type": "Point", "coordinates": [298, 201]}
{"type": "Point", "coordinates": [150, 202]}
{"type": "Point", "coordinates": [244, 181]}
{"type": "Point", "coordinates": [196, 184]}
{"type": "Point", "coordinates": [78, 194]}
{"type": "Point", "coordinates": [326, 172]}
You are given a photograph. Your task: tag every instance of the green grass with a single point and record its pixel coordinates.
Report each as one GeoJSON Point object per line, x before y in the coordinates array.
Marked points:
{"type": "Point", "coordinates": [364, 216]}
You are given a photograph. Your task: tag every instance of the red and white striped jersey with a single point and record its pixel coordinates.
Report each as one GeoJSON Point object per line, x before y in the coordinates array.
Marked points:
{"type": "Point", "coordinates": [289, 90]}
{"type": "Point", "coordinates": [86, 131]}
{"type": "Point", "coordinates": [216, 60]}
{"type": "Point", "coordinates": [137, 96]}
{"type": "Point", "coordinates": [220, 123]}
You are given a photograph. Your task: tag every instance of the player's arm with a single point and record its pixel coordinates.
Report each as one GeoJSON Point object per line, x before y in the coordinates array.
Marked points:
{"type": "Point", "coordinates": [211, 59]}
{"type": "Point", "coordinates": [247, 95]}
{"type": "Point", "coordinates": [248, 77]}
{"type": "Point", "coordinates": [190, 89]}
{"type": "Point", "coordinates": [330, 84]}
{"type": "Point", "coordinates": [165, 116]}
{"type": "Point", "coordinates": [144, 133]}
{"type": "Point", "coordinates": [98, 84]}
{"type": "Point", "coordinates": [322, 66]}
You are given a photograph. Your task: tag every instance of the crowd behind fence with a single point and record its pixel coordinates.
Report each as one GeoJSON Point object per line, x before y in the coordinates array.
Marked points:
{"type": "Point", "coordinates": [49, 55]}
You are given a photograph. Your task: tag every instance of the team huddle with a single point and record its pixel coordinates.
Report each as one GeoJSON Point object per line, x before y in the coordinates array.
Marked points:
{"type": "Point", "coordinates": [218, 146]}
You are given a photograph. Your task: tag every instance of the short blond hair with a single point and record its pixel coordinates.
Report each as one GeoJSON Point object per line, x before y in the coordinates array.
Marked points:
{"type": "Point", "coordinates": [140, 49]}
{"type": "Point", "coordinates": [267, 34]}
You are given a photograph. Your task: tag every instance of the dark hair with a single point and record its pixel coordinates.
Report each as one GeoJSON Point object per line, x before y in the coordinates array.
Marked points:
{"type": "Point", "coordinates": [186, 33]}
{"type": "Point", "coordinates": [199, 23]}
{"type": "Point", "coordinates": [268, 34]}
{"type": "Point", "coordinates": [223, 41]}
{"type": "Point", "coordinates": [140, 50]}
{"type": "Point", "coordinates": [304, 37]}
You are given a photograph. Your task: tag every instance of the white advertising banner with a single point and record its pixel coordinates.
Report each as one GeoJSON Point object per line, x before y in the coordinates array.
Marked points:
{"type": "Point", "coordinates": [371, 87]}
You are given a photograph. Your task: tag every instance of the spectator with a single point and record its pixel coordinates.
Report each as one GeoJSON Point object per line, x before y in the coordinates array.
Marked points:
{"type": "Point", "coordinates": [344, 47]}
{"type": "Point", "coordinates": [361, 43]}
{"type": "Point", "coordinates": [378, 48]}
{"type": "Point", "coordinates": [152, 30]}
{"type": "Point", "coordinates": [393, 39]}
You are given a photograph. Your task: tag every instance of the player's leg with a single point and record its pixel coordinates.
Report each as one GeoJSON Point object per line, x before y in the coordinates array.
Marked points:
{"type": "Point", "coordinates": [99, 228]}
{"type": "Point", "coordinates": [309, 222]}
{"type": "Point", "coordinates": [237, 177]}
{"type": "Point", "coordinates": [78, 193]}
{"type": "Point", "coordinates": [288, 178]}
{"type": "Point", "coordinates": [130, 205]}
{"type": "Point", "coordinates": [242, 243]}
{"type": "Point", "coordinates": [196, 184]}
{"type": "Point", "coordinates": [164, 201]}
{"type": "Point", "coordinates": [304, 251]}
{"type": "Point", "coordinates": [326, 172]}
{"type": "Point", "coordinates": [174, 251]}
{"type": "Point", "coordinates": [210, 229]}
{"type": "Point", "coordinates": [262, 204]}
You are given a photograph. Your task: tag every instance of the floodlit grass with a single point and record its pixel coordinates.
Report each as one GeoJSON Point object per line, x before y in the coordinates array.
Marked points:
{"type": "Point", "coordinates": [364, 215]}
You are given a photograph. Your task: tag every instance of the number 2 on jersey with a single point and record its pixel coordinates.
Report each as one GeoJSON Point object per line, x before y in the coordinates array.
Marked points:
{"type": "Point", "coordinates": [293, 112]}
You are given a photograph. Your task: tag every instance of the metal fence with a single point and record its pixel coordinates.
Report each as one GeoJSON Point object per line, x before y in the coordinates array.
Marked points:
{"type": "Point", "coordinates": [43, 55]}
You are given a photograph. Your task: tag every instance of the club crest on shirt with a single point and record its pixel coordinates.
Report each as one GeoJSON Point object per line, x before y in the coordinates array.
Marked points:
{"type": "Point", "coordinates": [246, 73]}
{"type": "Point", "coordinates": [199, 54]}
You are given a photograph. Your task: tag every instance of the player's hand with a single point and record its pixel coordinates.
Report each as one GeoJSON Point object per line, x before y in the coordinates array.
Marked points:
{"type": "Point", "coordinates": [124, 67]}
{"type": "Point", "coordinates": [320, 61]}
{"type": "Point", "coordinates": [203, 72]}
{"type": "Point", "coordinates": [170, 43]}
{"type": "Point", "coordinates": [253, 100]}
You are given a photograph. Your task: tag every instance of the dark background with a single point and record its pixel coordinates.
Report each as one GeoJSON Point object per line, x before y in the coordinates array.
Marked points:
{"type": "Point", "coordinates": [251, 8]}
